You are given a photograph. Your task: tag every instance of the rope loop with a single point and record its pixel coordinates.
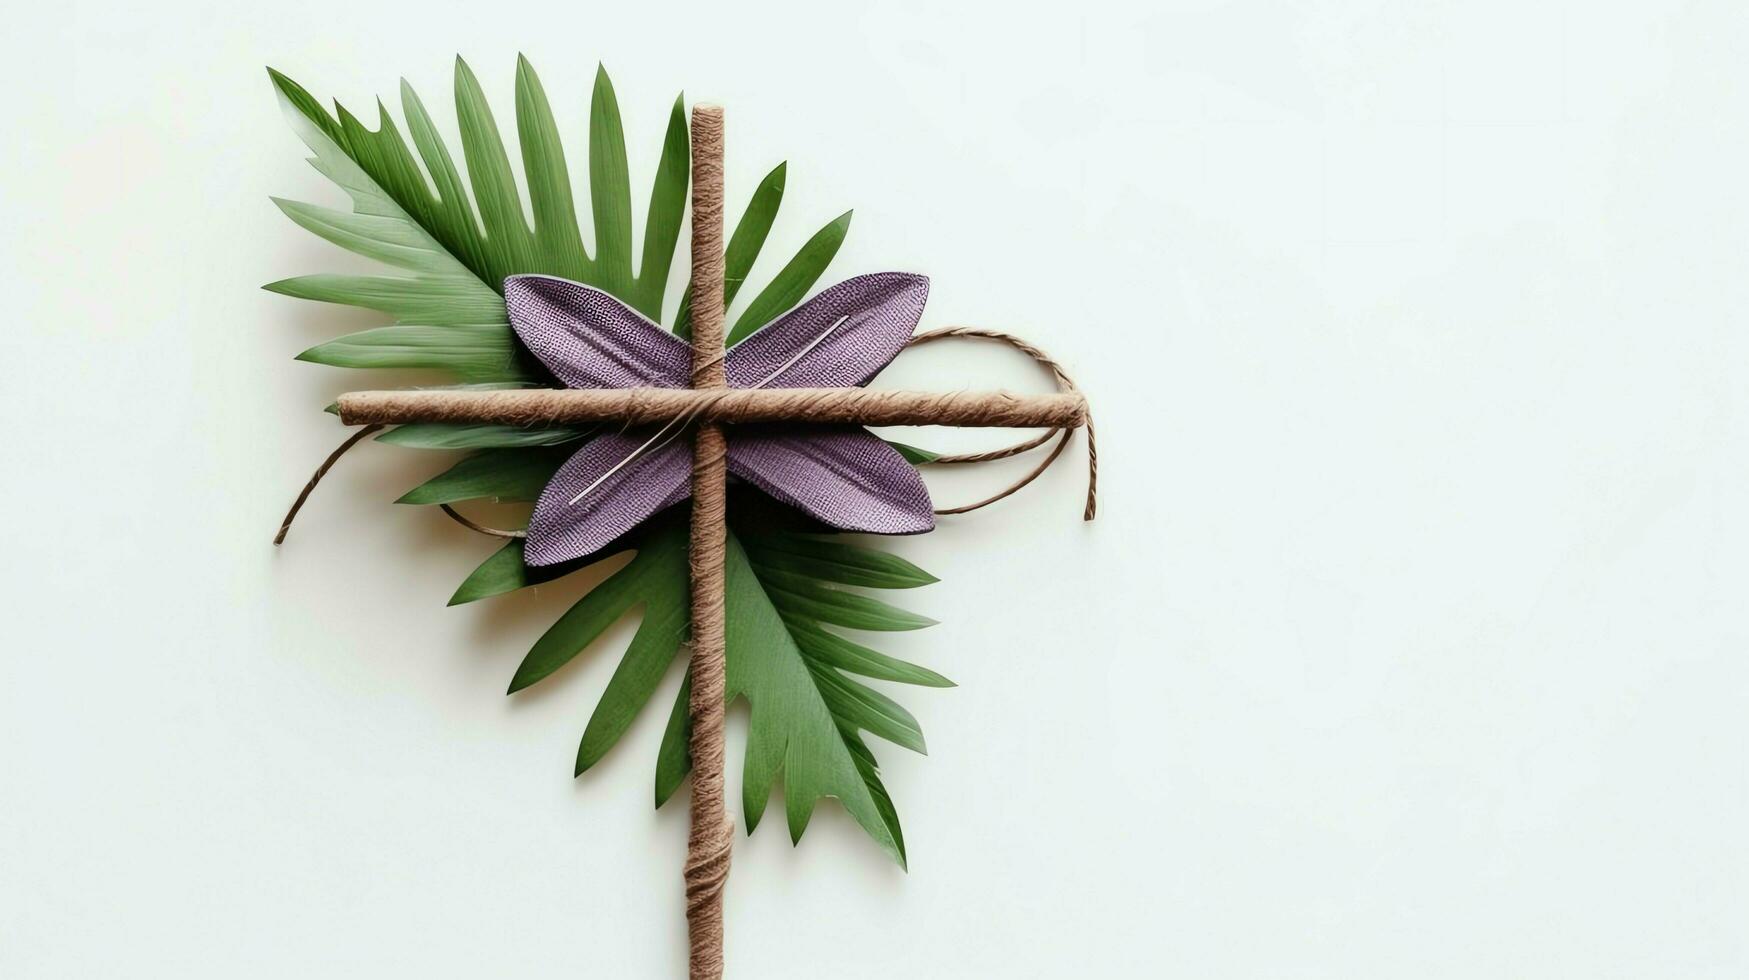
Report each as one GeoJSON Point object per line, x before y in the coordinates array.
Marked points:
{"type": "Point", "coordinates": [1064, 384]}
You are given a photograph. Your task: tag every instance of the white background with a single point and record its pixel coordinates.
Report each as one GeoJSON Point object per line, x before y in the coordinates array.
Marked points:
{"type": "Point", "coordinates": [1410, 641]}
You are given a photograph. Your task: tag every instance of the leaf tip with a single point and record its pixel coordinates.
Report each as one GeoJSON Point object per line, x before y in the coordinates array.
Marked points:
{"type": "Point", "coordinates": [284, 83]}
{"type": "Point", "coordinates": [668, 783]}
{"type": "Point", "coordinates": [464, 76]}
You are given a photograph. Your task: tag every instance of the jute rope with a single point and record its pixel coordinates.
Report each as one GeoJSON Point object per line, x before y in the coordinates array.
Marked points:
{"type": "Point", "coordinates": [474, 525]}
{"type": "Point", "coordinates": [712, 833]}
{"type": "Point", "coordinates": [638, 406]}
{"type": "Point", "coordinates": [316, 477]}
{"type": "Point", "coordinates": [1064, 384]}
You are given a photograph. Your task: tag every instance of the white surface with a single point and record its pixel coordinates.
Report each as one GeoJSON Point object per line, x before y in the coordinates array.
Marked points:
{"type": "Point", "coordinates": [1410, 642]}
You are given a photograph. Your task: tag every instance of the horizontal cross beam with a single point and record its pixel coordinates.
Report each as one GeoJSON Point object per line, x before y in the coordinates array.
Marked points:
{"type": "Point", "coordinates": [633, 406]}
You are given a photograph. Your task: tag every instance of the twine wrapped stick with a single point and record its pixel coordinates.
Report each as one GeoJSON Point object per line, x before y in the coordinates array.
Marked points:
{"type": "Point", "coordinates": [823, 406]}
{"type": "Point", "coordinates": [708, 405]}
{"type": "Point", "coordinates": [712, 833]}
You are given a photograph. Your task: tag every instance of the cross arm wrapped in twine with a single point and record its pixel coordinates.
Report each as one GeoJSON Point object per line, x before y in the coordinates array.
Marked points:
{"type": "Point", "coordinates": [633, 406]}
{"type": "Point", "coordinates": [358, 408]}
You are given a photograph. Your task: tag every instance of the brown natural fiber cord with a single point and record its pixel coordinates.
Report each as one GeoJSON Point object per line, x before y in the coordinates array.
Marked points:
{"type": "Point", "coordinates": [712, 834]}
{"type": "Point", "coordinates": [991, 455]}
{"type": "Point", "coordinates": [640, 406]}
{"type": "Point", "coordinates": [473, 525]}
{"type": "Point", "coordinates": [1064, 384]}
{"type": "Point", "coordinates": [316, 477]}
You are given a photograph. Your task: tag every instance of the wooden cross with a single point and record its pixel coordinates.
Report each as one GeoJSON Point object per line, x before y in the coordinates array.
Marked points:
{"type": "Point", "coordinates": [711, 404]}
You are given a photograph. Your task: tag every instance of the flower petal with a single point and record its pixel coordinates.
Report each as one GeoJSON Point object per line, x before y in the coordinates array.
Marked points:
{"type": "Point", "coordinates": [843, 476]}
{"type": "Point", "coordinates": [879, 312]}
{"type": "Point", "coordinates": [592, 340]}
{"type": "Point", "coordinates": [561, 530]}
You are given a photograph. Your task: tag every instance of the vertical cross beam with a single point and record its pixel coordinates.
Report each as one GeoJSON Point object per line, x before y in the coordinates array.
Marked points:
{"type": "Point", "coordinates": [712, 833]}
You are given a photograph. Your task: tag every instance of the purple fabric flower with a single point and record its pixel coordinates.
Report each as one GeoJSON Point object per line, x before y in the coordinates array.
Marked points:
{"type": "Point", "coordinates": [841, 475]}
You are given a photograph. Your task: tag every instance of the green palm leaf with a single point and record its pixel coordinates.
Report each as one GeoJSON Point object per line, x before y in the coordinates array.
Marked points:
{"type": "Point", "coordinates": [505, 572]}
{"type": "Point", "coordinates": [663, 221]}
{"type": "Point", "coordinates": [655, 578]}
{"type": "Point", "coordinates": [610, 191]}
{"type": "Point", "coordinates": [498, 474]}
{"type": "Point", "coordinates": [807, 711]}
{"type": "Point", "coordinates": [807, 715]}
{"type": "Point", "coordinates": [412, 210]}
{"type": "Point", "coordinates": [794, 280]}
{"type": "Point", "coordinates": [557, 244]}
{"type": "Point", "coordinates": [509, 245]}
